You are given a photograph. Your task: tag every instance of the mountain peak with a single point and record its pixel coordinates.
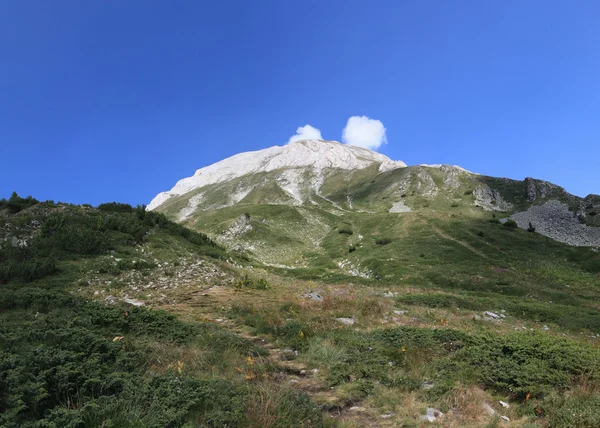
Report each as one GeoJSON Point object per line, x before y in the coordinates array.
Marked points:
{"type": "Point", "coordinates": [317, 155]}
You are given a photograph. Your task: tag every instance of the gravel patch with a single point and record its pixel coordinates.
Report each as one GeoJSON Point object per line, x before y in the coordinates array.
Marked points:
{"type": "Point", "coordinates": [554, 220]}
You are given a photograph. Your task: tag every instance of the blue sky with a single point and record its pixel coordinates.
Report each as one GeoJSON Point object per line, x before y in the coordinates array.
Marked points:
{"type": "Point", "coordinates": [103, 101]}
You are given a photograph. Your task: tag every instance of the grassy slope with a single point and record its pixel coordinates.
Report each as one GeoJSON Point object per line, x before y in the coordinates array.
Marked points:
{"type": "Point", "coordinates": [437, 267]}
{"type": "Point", "coordinates": [447, 262]}
{"type": "Point", "coordinates": [69, 361]}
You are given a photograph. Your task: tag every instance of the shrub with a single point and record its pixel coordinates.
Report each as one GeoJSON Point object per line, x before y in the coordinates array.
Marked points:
{"type": "Point", "coordinates": [578, 408]}
{"type": "Point", "coordinates": [116, 207]}
{"type": "Point", "coordinates": [528, 363]}
{"type": "Point", "coordinates": [454, 204]}
{"type": "Point", "coordinates": [588, 260]}
{"type": "Point", "coordinates": [247, 282]}
{"type": "Point", "coordinates": [511, 224]}
{"type": "Point", "coordinates": [65, 354]}
{"type": "Point", "coordinates": [468, 192]}
{"type": "Point", "coordinates": [351, 249]}
{"type": "Point", "coordinates": [530, 228]}
{"type": "Point", "coordinates": [383, 241]}
{"type": "Point", "coordinates": [345, 230]}
{"type": "Point", "coordinates": [15, 203]}
{"type": "Point", "coordinates": [480, 234]}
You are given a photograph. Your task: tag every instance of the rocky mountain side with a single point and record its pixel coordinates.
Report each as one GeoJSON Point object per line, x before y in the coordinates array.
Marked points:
{"type": "Point", "coordinates": [296, 195]}
{"type": "Point", "coordinates": [317, 156]}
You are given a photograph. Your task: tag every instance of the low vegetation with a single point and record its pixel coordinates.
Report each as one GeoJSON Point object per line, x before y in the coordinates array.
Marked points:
{"type": "Point", "coordinates": [389, 319]}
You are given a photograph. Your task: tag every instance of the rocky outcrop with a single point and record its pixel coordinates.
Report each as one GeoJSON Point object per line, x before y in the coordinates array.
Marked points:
{"type": "Point", "coordinates": [425, 186]}
{"type": "Point", "coordinates": [400, 207]}
{"type": "Point", "coordinates": [538, 189]}
{"type": "Point", "coordinates": [240, 226]}
{"type": "Point", "coordinates": [490, 199]}
{"type": "Point", "coordinates": [452, 176]}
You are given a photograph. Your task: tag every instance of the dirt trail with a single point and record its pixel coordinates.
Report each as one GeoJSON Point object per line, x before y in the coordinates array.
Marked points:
{"type": "Point", "coordinates": [286, 368]}
{"type": "Point", "coordinates": [458, 241]}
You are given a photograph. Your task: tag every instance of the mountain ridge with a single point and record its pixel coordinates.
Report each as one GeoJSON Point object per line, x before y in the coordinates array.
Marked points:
{"type": "Point", "coordinates": [321, 184]}
{"type": "Point", "coordinates": [303, 153]}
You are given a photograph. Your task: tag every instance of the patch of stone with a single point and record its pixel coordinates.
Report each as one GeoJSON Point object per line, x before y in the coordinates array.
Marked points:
{"type": "Point", "coordinates": [313, 296]}
{"type": "Point", "coordinates": [400, 207]}
{"type": "Point", "coordinates": [490, 199]}
{"type": "Point", "coordinates": [432, 415]}
{"type": "Point", "coordinates": [346, 321]}
{"type": "Point", "coordinates": [489, 409]}
{"type": "Point", "coordinates": [492, 315]}
{"type": "Point", "coordinates": [134, 302]}
{"type": "Point", "coordinates": [554, 220]}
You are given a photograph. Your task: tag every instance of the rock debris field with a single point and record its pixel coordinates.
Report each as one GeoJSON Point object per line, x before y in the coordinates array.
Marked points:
{"type": "Point", "coordinates": [554, 220]}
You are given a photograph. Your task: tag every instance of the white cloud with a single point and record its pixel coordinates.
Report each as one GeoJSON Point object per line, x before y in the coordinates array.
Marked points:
{"type": "Point", "coordinates": [306, 132]}
{"type": "Point", "coordinates": [364, 132]}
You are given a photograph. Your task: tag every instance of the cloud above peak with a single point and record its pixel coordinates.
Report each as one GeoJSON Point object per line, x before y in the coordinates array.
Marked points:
{"type": "Point", "coordinates": [362, 131]}
{"type": "Point", "coordinates": [306, 132]}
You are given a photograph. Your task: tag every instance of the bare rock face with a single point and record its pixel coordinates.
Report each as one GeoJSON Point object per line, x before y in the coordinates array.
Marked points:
{"type": "Point", "coordinates": [239, 227]}
{"type": "Point", "coordinates": [425, 184]}
{"type": "Point", "coordinates": [537, 189]}
{"type": "Point", "coordinates": [490, 199]}
{"type": "Point", "coordinates": [314, 154]}
{"type": "Point", "coordinates": [400, 207]}
{"type": "Point", "coordinates": [452, 176]}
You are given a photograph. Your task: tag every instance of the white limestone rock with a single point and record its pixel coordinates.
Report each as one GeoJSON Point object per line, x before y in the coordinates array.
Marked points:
{"type": "Point", "coordinates": [316, 154]}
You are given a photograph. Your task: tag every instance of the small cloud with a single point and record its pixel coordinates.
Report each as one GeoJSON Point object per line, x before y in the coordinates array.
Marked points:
{"type": "Point", "coordinates": [306, 132]}
{"type": "Point", "coordinates": [364, 132]}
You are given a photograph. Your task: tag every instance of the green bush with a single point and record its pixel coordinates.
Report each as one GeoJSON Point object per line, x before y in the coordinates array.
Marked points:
{"type": "Point", "coordinates": [116, 207]}
{"type": "Point", "coordinates": [255, 284]}
{"type": "Point", "coordinates": [510, 224]}
{"type": "Point", "coordinates": [383, 241]}
{"type": "Point", "coordinates": [528, 363]}
{"type": "Point", "coordinates": [16, 204]}
{"type": "Point", "coordinates": [346, 231]}
{"type": "Point", "coordinates": [579, 408]}
{"type": "Point", "coordinates": [587, 259]}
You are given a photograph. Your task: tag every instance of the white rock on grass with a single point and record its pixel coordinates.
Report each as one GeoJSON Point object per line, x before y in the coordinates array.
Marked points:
{"type": "Point", "coordinates": [492, 315]}
{"type": "Point", "coordinates": [134, 302]}
{"type": "Point", "coordinates": [346, 321]}
{"type": "Point", "coordinates": [432, 415]}
{"type": "Point", "coordinates": [400, 207]}
{"type": "Point", "coordinates": [490, 411]}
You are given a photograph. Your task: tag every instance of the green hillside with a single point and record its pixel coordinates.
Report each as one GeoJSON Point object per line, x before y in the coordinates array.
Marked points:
{"type": "Point", "coordinates": [337, 313]}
